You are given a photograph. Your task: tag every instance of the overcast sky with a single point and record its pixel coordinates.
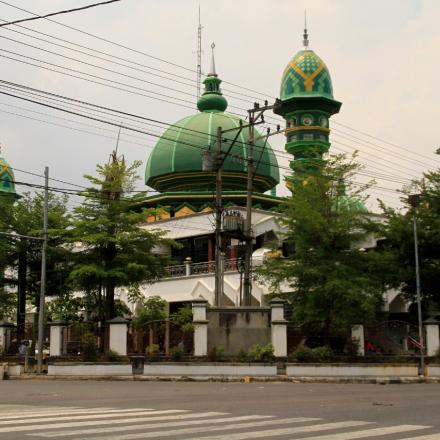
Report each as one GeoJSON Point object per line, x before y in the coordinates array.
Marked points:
{"type": "Point", "coordinates": [383, 57]}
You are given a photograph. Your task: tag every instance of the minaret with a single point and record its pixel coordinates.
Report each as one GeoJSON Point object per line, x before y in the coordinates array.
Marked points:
{"type": "Point", "coordinates": [7, 180]}
{"type": "Point", "coordinates": [212, 98]}
{"type": "Point", "coordinates": [306, 103]}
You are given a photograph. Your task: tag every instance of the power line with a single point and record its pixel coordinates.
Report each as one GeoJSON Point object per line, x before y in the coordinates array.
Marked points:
{"type": "Point", "coordinates": [170, 63]}
{"type": "Point", "coordinates": [52, 14]}
{"type": "Point", "coordinates": [128, 48]}
{"type": "Point", "coordinates": [157, 135]}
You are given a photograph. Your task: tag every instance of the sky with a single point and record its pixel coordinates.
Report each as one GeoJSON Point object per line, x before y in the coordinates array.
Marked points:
{"type": "Point", "coordinates": [382, 56]}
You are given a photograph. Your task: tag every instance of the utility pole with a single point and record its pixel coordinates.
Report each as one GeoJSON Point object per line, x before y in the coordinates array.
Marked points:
{"type": "Point", "coordinates": [247, 282]}
{"type": "Point", "coordinates": [43, 272]}
{"type": "Point", "coordinates": [218, 221]}
{"type": "Point", "coordinates": [414, 201]}
{"type": "Point", "coordinates": [253, 120]}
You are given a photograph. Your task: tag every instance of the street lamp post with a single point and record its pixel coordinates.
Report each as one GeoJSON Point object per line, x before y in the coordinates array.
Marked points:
{"type": "Point", "coordinates": [414, 201]}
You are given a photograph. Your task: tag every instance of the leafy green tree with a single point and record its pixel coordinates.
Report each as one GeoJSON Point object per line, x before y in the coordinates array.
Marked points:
{"type": "Point", "coordinates": [112, 250]}
{"type": "Point", "coordinates": [7, 297]}
{"type": "Point", "coordinates": [330, 279]}
{"type": "Point", "coordinates": [24, 255]}
{"type": "Point", "coordinates": [398, 243]}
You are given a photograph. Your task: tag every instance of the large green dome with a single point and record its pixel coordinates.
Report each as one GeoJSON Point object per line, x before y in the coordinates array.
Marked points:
{"type": "Point", "coordinates": [7, 185]}
{"type": "Point", "coordinates": [306, 75]}
{"type": "Point", "coordinates": [176, 162]}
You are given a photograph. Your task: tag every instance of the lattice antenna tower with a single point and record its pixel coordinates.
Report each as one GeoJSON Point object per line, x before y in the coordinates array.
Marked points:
{"type": "Point", "coordinates": [199, 57]}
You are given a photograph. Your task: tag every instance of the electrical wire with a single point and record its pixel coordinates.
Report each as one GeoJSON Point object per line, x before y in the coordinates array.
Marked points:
{"type": "Point", "coordinates": [66, 11]}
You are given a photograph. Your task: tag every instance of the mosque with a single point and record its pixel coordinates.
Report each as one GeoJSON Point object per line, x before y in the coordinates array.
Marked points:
{"type": "Point", "coordinates": [183, 204]}
{"type": "Point", "coordinates": [186, 190]}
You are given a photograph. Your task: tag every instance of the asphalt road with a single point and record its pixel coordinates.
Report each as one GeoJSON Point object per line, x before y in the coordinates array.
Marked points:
{"type": "Point", "coordinates": [233, 411]}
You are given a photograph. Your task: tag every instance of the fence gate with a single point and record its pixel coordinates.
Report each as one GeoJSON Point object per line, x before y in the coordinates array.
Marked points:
{"type": "Point", "coordinates": [392, 338]}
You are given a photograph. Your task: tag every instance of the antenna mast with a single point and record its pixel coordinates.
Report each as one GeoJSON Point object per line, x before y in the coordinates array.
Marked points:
{"type": "Point", "coordinates": [199, 57]}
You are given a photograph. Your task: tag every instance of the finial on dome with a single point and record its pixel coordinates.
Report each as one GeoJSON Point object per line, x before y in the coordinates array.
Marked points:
{"type": "Point", "coordinates": [212, 71]}
{"type": "Point", "coordinates": [306, 34]}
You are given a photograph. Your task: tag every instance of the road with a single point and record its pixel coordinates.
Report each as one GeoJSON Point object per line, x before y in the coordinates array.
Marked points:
{"type": "Point", "coordinates": [105, 410]}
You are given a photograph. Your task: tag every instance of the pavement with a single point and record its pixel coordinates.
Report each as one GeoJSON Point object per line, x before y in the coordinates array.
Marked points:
{"type": "Point", "coordinates": [125, 410]}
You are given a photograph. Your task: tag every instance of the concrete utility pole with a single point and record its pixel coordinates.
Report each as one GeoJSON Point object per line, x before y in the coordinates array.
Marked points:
{"type": "Point", "coordinates": [255, 117]}
{"type": "Point", "coordinates": [43, 272]}
{"type": "Point", "coordinates": [247, 282]}
{"type": "Point", "coordinates": [218, 220]}
{"type": "Point", "coordinates": [414, 201]}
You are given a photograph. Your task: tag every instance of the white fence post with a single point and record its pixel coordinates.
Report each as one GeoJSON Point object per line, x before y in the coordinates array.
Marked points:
{"type": "Point", "coordinates": [118, 335]}
{"type": "Point", "coordinates": [432, 336]}
{"type": "Point", "coordinates": [56, 338]}
{"type": "Point", "coordinates": [201, 327]}
{"type": "Point", "coordinates": [278, 328]}
{"type": "Point", "coordinates": [5, 336]}
{"type": "Point", "coordinates": [358, 336]}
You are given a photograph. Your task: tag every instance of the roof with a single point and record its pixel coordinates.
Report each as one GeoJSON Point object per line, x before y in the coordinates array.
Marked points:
{"type": "Point", "coordinates": [176, 162]}
{"type": "Point", "coordinates": [306, 75]}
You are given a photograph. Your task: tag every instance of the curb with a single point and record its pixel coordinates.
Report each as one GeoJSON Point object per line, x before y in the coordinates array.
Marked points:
{"type": "Point", "coordinates": [239, 379]}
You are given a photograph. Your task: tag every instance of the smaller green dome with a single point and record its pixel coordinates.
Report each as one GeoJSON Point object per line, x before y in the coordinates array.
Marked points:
{"type": "Point", "coordinates": [306, 75]}
{"type": "Point", "coordinates": [7, 185]}
{"type": "Point", "coordinates": [212, 99]}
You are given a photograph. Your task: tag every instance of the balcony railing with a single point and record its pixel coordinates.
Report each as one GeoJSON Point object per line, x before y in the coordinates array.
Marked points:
{"type": "Point", "coordinates": [188, 268]}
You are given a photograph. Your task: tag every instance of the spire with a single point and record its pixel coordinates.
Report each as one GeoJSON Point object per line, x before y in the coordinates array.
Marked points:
{"type": "Point", "coordinates": [306, 34]}
{"type": "Point", "coordinates": [212, 98]}
{"type": "Point", "coordinates": [212, 71]}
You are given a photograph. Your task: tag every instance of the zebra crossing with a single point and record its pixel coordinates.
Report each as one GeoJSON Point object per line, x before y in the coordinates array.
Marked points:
{"type": "Point", "coordinates": [104, 423]}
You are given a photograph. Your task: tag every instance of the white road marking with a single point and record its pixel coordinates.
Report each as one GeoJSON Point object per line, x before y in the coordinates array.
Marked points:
{"type": "Point", "coordinates": [179, 422]}
{"type": "Point", "coordinates": [425, 437]}
{"type": "Point", "coordinates": [45, 412]}
{"type": "Point", "coordinates": [365, 433]}
{"type": "Point", "coordinates": [70, 415]}
{"type": "Point", "coordinates": [106, 415]}
{"type": "Point", "coordinates": [245, 435]}
{"type": "Point", "coordinates": [95, 422]}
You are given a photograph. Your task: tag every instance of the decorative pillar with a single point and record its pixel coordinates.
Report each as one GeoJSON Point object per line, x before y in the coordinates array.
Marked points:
{"type": "Point", "coordinates": [187, 266]}
{"type": "Point", "coordinates": [432, 336]}
{"type": "Point", "coordinates": [201, 327]}
{"type": "Point", "coordinates": [118, 335]}
{"type": "Point", "coordinates": [56, 338]}
{"type": "Point", "coordinates": [5, 336]}
{"type": "Point", "coordinates": [358, 336]}
{"type": "Point", "coordinates": [278, 327]}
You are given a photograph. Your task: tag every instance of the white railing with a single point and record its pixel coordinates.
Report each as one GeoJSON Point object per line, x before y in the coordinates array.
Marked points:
{"type": "Point", "coordinates": [189, 268]}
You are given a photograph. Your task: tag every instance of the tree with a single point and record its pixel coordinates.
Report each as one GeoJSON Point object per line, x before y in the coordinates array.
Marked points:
{"type": "Point", "coordinates": [329, 278]}
{"type": "Point", "coordinates": [112, 250]}
{"type": "Point", "coordinates": [24, 255]}
{"type": "Point", "coordinates": [398, 243]}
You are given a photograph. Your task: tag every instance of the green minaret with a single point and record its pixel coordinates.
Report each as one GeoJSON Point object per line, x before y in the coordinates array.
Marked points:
{"type": "Point", "coordinates": [306, 103]}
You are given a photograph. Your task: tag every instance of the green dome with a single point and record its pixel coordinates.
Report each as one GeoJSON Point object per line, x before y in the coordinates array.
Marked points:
{"type": "Point", "coordinates": [7, 179]}
{"type": "Point", "coordinates": [306, 75]}
{"type": "Point", "coordinates": [176, 162]}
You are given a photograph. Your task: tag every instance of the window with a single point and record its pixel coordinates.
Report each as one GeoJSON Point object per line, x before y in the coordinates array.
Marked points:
{"type": "Point", "coordinates": [308, 136]}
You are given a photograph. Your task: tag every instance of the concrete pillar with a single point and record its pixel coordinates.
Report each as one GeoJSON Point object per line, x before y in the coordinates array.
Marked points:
{"type": "Point", "coordinates": [187, 266]}
{"type": "Point", "coordinates": [432, 337]}
{"type": "Point", "coordinates": [358, 336]}
{"type": "Point", "coordinates": [278, 327]}
{"type": "Point", "coordinates": [5, 336]}
{"type": "Point", "coordinates": [118, 335]}
{"type": "Point", "coordinates": [201, 327]}
{"type": "Point", "coordinates": [56, 338]}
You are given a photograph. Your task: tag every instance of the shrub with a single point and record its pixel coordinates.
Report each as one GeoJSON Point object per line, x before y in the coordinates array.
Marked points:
{"type": "Point", "coordinates": [89, 345]}
{"type": "Point", "coordinates": [317, 354]}
{"type": "Point", "coordinates": [216, 354]}
{"type": "Point", "coordinates": [261, 354]}
{"type": "Point", "coordinates": [176, 353]}
{"type": "Point", "coordinates": [112, 356]}
{"type": "Point", "coordinates": [242, 356]}
{"type": "Point", "coordinates": [152, 352]}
